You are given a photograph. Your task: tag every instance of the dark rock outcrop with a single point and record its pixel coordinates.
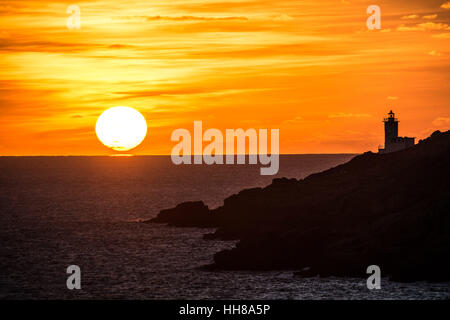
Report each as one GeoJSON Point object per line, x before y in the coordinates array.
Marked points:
{"type": "Point", "coordinates": [187, 214]}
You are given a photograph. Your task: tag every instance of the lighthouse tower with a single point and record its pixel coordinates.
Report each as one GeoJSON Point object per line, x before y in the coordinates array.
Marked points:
{"type": "Point", "coordinates": [392, 142]}
{"type": "Point", "coordinates": [390, 128]}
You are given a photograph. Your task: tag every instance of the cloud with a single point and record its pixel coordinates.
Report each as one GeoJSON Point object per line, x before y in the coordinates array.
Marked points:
{"type": "Point", "coordinates": [433, 26]}
{"type": "Point", "coordinates": [434, 53]}
{"type": "Point", "coordinates": [402, 27]}
{"type": "Point", "coordinates": [181, 18]}
{"type": "Point", "coordinates": [430, 16]}
{"type": "Point", "coordinates": [283, 17]}
{"type": "Point", "coordinates": [441, 36]}
{"type": "Point", "coordinates": [441, 122]}
{"type": "Point", "coordinates": [45, 46]}
{"type": "Point", "coordinates": [120, 46]}
{"type": "Point", "coordinates": [349, 115]}
{"type": "Point", "coordinates": [392, 98]}
{"type": "Point", "coordinates": [194, 18]}
{"type": "Point", "coordinates": [446, 5]}
{"type": "Point", "coordinates": [184, 92]}
{"type": "Point", "coordinates": [411, 16]}
{"type": "Point", "coordinates": [426, 26]}
{"type": "Point", "coordinates": [156, 93]}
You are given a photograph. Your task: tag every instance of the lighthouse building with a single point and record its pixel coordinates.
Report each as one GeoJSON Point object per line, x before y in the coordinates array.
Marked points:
{"type": "Point", "coordinates": [392, 142]}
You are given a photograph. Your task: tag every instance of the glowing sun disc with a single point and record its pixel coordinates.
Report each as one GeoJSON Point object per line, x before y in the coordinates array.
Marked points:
{"type": "Point", "coordinates": [121, 128]}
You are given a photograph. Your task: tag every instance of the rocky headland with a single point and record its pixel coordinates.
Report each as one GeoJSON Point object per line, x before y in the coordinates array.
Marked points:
{"type": "Point", "coordinates": [391, 210]}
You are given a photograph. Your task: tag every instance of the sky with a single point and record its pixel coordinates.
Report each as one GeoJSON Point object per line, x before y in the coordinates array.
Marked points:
{"type": "Point", "coordinates": [311, 69]}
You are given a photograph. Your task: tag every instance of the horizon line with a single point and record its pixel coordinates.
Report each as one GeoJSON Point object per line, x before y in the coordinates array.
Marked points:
{"type": "Point", "coordinates": [168, 155]}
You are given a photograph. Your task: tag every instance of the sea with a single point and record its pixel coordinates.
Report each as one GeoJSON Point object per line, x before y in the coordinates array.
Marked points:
{"type": "Point", "coordinates": [88, 211]}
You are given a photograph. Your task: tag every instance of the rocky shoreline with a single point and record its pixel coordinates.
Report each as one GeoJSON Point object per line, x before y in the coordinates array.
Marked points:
{"type": "Point", "coordinates": [391, 210]}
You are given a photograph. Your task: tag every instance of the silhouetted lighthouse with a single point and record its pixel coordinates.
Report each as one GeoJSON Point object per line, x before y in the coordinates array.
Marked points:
{"type": "Point", "coordinates": [390, 128]}
{"type": "Point", "coordinates": [392, 142]}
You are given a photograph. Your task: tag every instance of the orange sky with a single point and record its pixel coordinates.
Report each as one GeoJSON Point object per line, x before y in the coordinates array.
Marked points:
{"type": "Point", "coordinates": [309, 68]}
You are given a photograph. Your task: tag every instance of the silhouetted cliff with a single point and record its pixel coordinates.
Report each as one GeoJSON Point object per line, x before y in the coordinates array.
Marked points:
{"type": "Point", "coordinates": [391, 210]}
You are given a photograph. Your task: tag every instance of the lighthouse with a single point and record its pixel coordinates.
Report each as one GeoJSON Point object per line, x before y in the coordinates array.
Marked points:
{"type": "Point", "coordinates": [392, 142]}
{"type": "Point", "coordinates": [390, 128]}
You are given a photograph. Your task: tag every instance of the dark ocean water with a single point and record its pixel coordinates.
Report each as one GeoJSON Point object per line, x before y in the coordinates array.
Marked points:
{"type": "Point", "coordinates": [59, 211]}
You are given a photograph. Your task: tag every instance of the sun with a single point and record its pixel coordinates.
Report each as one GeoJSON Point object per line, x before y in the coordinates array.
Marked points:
{"type": "Point", "coordinates": [121, 128]}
